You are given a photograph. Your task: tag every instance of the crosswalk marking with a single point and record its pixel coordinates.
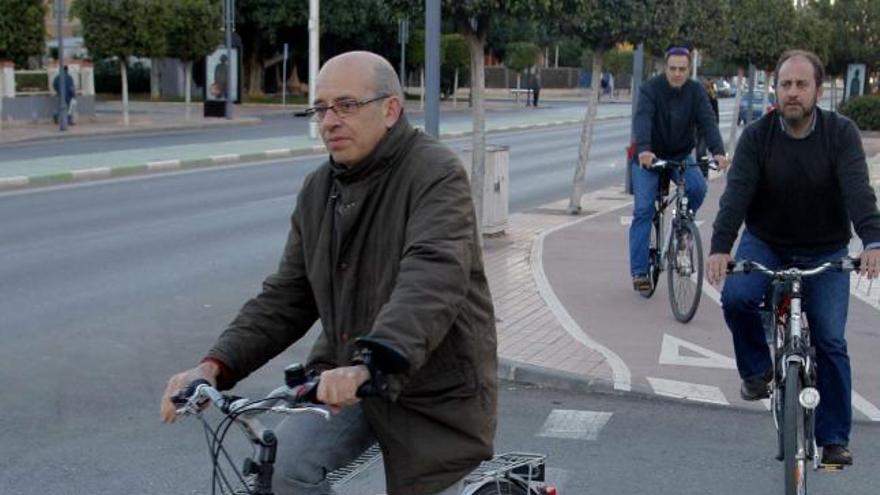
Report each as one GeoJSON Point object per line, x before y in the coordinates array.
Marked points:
{"type": "Point", "coordinates": [574, 424]}
{"type": "Point", "coordinates": [865, 407]}
{"type": "Point", "coordinates": [689, 391]}
{"type": "Point", "coordinates": [670, 353]}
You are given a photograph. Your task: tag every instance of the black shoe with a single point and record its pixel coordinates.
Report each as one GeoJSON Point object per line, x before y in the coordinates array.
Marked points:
{"type": "Point", "coordinates": [836, 455]}
{"type": "Point", "coordinates": [641, 283]}
{"type": "Point", "coordinates": [756, 388]}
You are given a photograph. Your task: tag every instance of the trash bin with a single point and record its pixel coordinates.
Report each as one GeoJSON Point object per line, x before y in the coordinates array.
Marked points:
{"type": "Point", "coordinates": [495, 188]}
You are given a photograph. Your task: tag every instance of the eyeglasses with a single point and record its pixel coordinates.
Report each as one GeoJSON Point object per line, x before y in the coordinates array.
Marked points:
{"type": "Point", "coordinates": [342, 108]}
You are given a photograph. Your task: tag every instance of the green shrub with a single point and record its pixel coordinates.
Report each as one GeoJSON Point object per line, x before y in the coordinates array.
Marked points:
{"type": "Point", "coordinates": [864, 110]}
{"type": "Point", "coordinates": [31, 82]}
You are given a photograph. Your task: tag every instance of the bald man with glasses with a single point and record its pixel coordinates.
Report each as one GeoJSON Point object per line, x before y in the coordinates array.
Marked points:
{"type": "Point", "coordinates": [383, 245]}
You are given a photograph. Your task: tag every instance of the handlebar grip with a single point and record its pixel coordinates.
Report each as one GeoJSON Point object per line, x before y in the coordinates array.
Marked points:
{"type": "Point", "coordinates": [182, 396]}
{"type": "Point", "coordinates": [309, 391]}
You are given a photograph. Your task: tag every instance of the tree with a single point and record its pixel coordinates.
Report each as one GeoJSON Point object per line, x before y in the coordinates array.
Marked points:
{"type": "Point", "coordinates": [760, 32]}
{"type": "Point", "coordinates": [22, 29]}
{"type": "Point", "coordinates": [455, 56]}
{"type": "Point", "coordinates": [520, 56]}
{"type": "Point", "coordinates": [122, 29]}
{"type": "Point", "coordinates": [473, 20]}
{"type": "Point", "coordinates": [601, 25]}
{"type": "Point", "coordinates": [194, 31]}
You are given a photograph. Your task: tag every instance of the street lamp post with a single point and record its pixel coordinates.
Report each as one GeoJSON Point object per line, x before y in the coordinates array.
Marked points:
{"type": "Point", "coordinates": [229, 7]}
{"type": "Point", "coordinates": [432, 67]}
{"type": "Point", "coordinates": [62, 81]}
{"type": "Point", "coordinates": [314, 10]}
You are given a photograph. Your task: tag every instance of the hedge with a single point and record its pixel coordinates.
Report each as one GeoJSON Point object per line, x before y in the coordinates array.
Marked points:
{"type": "Point", "coordinates": [864, 110]}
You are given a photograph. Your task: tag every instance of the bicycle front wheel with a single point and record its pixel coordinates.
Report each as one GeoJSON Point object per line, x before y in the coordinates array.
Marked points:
{"type": "Point", "coordinates": [685, 270]}
{"type": "Point", "coordinates": [501, 487]}
{"type": "Point", "coordinates": [794, 435]}
{"type": "Point", "coordinates": [653, 257]}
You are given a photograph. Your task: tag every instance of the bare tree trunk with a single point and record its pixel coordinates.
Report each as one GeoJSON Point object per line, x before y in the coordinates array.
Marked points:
{"type": "Point", "coordinates": [833, 105]}
{"type": "Point", "coordinates": [123, 71]}
{"type": "Point", "coordinates": [422, 89]}
{"type": "Point", "coordinates": [187, 77]}
{"type": "Point", "coordinates": [766, 99]}
{"type": "Point", "coordinates": [574, 205]}
{"type": "Point", "coordinates": [478, 137]}
{"type": "Point", "coordinates": [255, 76]}
{"type": "Point", "coordinates": [154, 79]}
{"type": "Point", "coordinates": [455, 89]}
{"type": "Point", "coordinates": [517, 86]}
{"type": "Point", "coordinates": [731, 139]}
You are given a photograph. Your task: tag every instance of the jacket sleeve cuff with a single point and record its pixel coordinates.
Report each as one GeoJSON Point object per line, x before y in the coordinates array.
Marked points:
{"type": "Point", "coordinates": [226, 378]}
{"type": "Point", "coordinates": [873, 245]}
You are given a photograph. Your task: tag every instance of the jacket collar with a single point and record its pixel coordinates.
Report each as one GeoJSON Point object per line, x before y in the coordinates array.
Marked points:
{"type": "Point", "coordinates": [387, 153]}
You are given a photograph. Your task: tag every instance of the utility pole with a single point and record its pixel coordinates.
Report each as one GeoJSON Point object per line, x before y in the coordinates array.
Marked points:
{"type": "Point", "coordinates": [403, 37]}
{"type": "Point", "coordinates": [62, 81]}
{"type": "Point", "coordinates": [635, 86]}
{"type": "Point", "coordinates": [284, 78]}
{"type": "Point", "coordinates": [229, 7]}
{"type": "Point", "coordinates": [314, 9]}
{"type": "Point", "coordinates": [432, 67]}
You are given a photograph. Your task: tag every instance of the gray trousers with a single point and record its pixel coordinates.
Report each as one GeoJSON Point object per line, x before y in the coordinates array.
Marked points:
{"type": "Point", "coordinates": [309, 447]}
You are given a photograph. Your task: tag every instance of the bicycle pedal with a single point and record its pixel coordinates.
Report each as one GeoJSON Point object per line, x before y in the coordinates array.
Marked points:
{"type": "Point", "coordinates": [831, 468]}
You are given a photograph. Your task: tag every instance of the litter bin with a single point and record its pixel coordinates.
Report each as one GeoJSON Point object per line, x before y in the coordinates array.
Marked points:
{"type": "Point", "coordinates": [495, 188]}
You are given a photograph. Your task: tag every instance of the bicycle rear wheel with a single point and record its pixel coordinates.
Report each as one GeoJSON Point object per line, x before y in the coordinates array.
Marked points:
{"type": "Point", "coordinates": [794, 434]}
{"type": "Point", "coordinates": [501, 487]}
{"type": "Point", "coordinates": [685, 270]}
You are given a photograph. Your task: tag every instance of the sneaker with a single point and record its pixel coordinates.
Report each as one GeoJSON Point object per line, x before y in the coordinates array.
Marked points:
{"type": "Point", "coordinates": [641, 283]}
{"type": "Point", "coordinates": [756, 388]}
{"type": "Point", "coordinates": [836, 455]}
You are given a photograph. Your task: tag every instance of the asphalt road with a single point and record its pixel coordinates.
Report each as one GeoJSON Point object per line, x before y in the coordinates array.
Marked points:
{"type": "Point", "coordinates": [110, 287]}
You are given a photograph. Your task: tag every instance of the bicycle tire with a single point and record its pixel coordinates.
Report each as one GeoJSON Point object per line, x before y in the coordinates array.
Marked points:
{"type": "Point", "coordinates": [501, 487]}
{"type": "Point", "coordinates": [684, 292]}
{"type": "Point", "coordinates": [794, 434]}
{"type": "Point", "coordinates": [653, 260]}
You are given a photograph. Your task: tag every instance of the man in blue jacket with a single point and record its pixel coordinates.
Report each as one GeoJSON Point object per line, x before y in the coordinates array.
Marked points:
{"type": "Point", "coordinates": [671, 108]}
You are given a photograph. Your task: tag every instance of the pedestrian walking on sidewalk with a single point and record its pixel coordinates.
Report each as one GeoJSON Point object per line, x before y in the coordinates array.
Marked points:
{"type": "Point", "coordinates": [383, 245]}
{"type": "Point", "coordinates": [798, 180]}
{"type": "Point", "coordinates": [671, 109]}
{"type": "Point", "coordinates": [64, 86]}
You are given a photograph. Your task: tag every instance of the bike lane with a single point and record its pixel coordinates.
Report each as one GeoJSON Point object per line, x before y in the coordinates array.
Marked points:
{"type": "Point", "coordinates": [587, 266]}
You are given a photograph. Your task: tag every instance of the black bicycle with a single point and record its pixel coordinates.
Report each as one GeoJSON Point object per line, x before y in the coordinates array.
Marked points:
{"type": "Point", "coordinates": [512, 473]}
{"type": "Point", "coordinates": [675, 246]}
{"type": "Point", "coordinates": [793, 393]}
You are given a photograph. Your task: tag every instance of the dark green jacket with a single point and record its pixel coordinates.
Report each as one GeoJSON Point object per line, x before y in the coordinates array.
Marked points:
{"type": "Point", "coordinates": [405, 267]}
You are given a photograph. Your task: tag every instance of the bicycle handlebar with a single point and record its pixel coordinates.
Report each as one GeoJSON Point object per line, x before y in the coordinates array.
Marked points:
{"type": "Point", "coordinates": [845, 264]}
{"type": "Point", "coordinates": [658, 163]}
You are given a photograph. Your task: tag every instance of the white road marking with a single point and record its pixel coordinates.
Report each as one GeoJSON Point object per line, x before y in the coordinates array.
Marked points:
{"type": "Point", "coordinates": [690, 391]}
{"type": "Point", "coordinates": [163, 165]}
{"type": "Point", "coordinates": [626, 220]}
{"type": "Point", "coordinates": [865, 407]}
{"type": "Point", "coordinates": [573, 424]}
{"type": "Point", "coordinates": [622, 376]}
{"type": "Point", "coordinates": [670, 353]}
{"type": "Point", "coordinates": [224, 158]}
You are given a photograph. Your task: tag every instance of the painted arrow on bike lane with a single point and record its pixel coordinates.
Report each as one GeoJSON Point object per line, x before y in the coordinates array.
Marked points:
{"type": "Point", "coordinates": [587, 266]}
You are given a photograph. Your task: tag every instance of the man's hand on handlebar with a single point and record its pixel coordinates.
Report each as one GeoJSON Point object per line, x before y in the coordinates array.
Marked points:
{"type": "Point", "coordinates": [870, 263]}
{"type": "Point", "coordinates": [646, 158]}
{"type": "Point", "coordinates": [207, 371]}
{"type": "Point", "coordinates": [721, 160]}
{"type": "Point", "coordinates": [716, 268]}
{"type": "Point", "coordinates": [338, 387]}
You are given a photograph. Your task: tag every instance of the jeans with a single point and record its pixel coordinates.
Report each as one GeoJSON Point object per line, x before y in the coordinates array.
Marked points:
{"type": "Point", "coordinates": [826, 302]}
{"type": "Point", "coordinates": [645, 184]}
{"type": "Point", "coordinates": [310, 447]}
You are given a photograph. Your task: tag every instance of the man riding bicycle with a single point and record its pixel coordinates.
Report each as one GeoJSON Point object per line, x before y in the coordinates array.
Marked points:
{"type": "Point", "coordinates": [383, 244]}
{"type": "Point", "coordinates": [671, 107]}
{"type": "Point", "coordinates": [799, 179]}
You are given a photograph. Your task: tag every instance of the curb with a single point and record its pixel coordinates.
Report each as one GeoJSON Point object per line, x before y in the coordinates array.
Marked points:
{"type": "Point", "coordinates": [103, 173]}
{"type": "Point", "coordinates": [144, 131]}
